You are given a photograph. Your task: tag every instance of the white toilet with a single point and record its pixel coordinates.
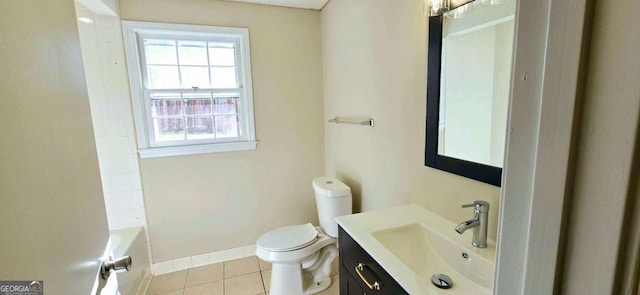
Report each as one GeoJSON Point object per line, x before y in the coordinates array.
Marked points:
{"type": "Point", "coordinates": [301, 255]}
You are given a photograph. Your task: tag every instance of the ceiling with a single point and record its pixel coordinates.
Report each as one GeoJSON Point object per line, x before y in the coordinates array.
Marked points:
{"type": "Point", "coordinates": [306, 4]}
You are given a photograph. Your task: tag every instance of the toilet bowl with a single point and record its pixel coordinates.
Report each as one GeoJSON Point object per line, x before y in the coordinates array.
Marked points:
{"type": "Point", "coordinates": [301, 255]}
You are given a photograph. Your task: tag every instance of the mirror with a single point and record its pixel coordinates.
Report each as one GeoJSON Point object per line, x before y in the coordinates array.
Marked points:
{"type": "Point", "coordinates": [470, 54]}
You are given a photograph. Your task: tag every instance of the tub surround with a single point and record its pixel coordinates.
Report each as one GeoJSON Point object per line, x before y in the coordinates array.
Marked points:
{"type": "Point", "coordinates": [112, 118]}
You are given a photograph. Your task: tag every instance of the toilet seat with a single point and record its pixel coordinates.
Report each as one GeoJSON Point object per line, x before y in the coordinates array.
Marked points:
{"type": "Point", "coordinates": [298, 255]}
{"type": "Point", "coordinates": [288, 238]}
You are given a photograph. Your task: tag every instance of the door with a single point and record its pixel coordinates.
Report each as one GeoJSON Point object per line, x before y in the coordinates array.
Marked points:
{"type": "Point", "coordinates": [53, 225]}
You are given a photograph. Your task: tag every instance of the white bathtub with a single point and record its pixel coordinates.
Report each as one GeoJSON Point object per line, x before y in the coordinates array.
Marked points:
{"type": "Point", "coordinates": [132, 242]}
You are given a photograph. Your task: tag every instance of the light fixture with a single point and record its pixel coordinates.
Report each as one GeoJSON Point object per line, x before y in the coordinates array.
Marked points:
{"type": "Point", "coordinates": [85, 20]}
{"type": "Point", "coordinates": [438, 7]}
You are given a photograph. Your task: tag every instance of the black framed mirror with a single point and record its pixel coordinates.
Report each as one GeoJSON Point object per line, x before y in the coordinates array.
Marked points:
{"type": "Point", "coordinates": [469, 70]}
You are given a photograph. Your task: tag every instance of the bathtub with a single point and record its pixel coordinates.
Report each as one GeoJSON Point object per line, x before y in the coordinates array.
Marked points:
{"type": "Point", "coordinates": [132, 242]}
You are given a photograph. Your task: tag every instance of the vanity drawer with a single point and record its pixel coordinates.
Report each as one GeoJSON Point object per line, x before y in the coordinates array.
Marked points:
{"type": "Point", "coordinates": [351, 256]}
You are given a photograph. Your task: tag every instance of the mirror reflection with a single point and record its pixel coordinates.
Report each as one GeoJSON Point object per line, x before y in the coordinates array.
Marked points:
{"type": "Point", "coordinates": [477, 43]}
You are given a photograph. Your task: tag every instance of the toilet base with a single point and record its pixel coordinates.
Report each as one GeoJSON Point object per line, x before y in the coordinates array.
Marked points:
{"type": "Point", "coordinates": [313, 287]}
{"type": "Point", "coordinates": [293, 284]}
{"type": "Point", "coordinates": [291, 279]}
{"type": "Point", "coordinates": [286, 279]}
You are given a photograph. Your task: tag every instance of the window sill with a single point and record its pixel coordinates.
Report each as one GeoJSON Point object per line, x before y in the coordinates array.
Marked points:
{"type": "Point", "coordinates": [197, 149]}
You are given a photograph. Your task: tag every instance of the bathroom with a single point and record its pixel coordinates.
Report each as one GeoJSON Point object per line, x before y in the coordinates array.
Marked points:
{"type": "Point", "coordinates": [361, 59]}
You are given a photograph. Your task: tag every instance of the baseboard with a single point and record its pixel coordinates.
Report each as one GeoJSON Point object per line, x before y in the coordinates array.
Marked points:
{"type": "Point", "coordinates": [202, 259]}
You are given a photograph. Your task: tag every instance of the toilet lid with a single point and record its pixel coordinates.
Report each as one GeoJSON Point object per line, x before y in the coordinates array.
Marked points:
{"type": "Point", "coordinates": [288, 238]}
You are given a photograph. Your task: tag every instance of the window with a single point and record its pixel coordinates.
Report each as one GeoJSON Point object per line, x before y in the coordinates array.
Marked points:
{"type": "Point", "coordinates": [191, 88]}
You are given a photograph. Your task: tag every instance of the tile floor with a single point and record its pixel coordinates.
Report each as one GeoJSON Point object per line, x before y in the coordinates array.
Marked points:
{"type": "Point", "coordinates": [246, 276]}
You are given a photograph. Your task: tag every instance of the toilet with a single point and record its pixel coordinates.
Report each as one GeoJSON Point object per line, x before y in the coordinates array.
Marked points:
{"type": "Point", "coordinates": [301, 255]}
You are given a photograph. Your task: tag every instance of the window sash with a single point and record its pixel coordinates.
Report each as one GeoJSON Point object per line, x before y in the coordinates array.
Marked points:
{"type": "Point", "coordinates": [148, 91]}
{"type": "Point", "coordinates": [179, 36]}
{"type": "Point", "coordinates": [214, 93]}
{"type": "Point", "coordinates": [134, 32]}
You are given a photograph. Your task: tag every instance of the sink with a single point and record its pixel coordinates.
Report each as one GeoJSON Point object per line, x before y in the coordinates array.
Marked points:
{"type": "Point", "coordinates": [412, 244]}
{"type": "Point", "coordinates": [427, 252]}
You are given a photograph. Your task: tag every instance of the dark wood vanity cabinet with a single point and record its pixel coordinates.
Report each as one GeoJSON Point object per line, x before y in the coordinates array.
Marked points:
{"type": "Point", "coordinates": [354, 280]}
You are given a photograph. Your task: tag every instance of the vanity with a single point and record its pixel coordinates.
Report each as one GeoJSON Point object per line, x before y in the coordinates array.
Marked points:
{"type": "Point", "coordinates": [360, 273]}
{"type": "Point", "coordinates": [398, 250]}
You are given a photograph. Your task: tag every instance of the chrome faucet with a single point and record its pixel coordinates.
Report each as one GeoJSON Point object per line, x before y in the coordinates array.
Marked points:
{"type": "Point", "coordinates": [478, 223]}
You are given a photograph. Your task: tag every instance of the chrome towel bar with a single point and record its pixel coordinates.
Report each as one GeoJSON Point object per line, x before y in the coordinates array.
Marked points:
{"type": "Point", "coordinates": [365, 122]}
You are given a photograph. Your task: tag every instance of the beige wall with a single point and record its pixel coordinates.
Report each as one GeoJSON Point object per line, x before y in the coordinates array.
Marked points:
{"type": "Point", "coordinates": [53, 221]}
{"type": "Point", "coordinates": [203, 203]}
{"type": "Point", "coordinates": [374, 56]}
{"type": "Point", "coordinates": [605, 151]}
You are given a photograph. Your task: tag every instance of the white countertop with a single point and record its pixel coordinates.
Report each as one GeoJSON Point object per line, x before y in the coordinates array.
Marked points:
{"type": "Point", "coordinates": [361, 226]}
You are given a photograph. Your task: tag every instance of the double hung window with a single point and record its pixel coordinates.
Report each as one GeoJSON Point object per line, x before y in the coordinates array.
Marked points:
{"type": "Point", "coordinates": [191, 87]}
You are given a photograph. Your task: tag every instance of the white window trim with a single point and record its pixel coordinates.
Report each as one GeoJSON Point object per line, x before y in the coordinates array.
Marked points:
{"type": "Point", "coordinates": [131, 29]}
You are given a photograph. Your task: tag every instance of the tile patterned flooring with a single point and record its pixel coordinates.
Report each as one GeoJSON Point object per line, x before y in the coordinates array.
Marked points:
{"type": "Point", "coordinates": [246, 276]}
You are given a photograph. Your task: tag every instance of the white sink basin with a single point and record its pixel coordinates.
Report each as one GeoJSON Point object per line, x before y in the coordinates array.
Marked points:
{"type": "Point", "coordinates": [427, 252]}
{"type": "Point", "coordinates": [413, 244]}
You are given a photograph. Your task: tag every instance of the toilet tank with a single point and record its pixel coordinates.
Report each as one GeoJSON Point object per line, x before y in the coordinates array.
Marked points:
{"type": "Point", "coordinates": [333, 199]}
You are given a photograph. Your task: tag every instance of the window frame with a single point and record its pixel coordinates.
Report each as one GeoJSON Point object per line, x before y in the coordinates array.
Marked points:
{"type": "Point", "coordinates": [148, 147]}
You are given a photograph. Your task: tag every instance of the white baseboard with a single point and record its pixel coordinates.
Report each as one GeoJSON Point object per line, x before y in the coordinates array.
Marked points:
{"type": "Point", "coordinates": [203, 259]}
